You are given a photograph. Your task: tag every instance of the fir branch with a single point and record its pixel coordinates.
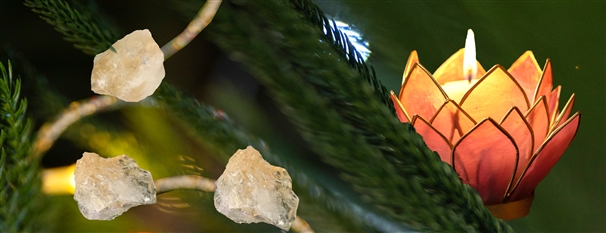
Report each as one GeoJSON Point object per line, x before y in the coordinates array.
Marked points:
{"type": "Point", "coordinates": [21, 199]}
{"type": "Point", "coordinates": [343, 46]}
{"type": "Point", "coordinates": [218, 132]}
{"type": "Point", "coordinates": [80, 25]}
{"type": "Point", "coordinates": [396, 172]}
{"type": "Point", "coordinates": [45, 101]}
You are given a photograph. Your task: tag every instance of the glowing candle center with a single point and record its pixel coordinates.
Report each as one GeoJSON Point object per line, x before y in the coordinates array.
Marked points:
{"type": "Point", "coordinates": [457, 89]}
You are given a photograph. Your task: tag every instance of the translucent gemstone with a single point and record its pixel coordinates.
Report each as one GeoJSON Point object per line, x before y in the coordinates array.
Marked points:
{"type": "Point", "coordinates": [131, 70]}
{"type": "Point", "coordinates": [251, 190]}
{"type": "Point", "coordinates": [106, 188]}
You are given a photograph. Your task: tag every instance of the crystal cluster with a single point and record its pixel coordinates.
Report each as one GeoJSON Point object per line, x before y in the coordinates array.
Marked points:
{"type": "Point", "coordinates": [131, 70]}
{"type": "Point", "coordinates": [252, 190]}
{"type": "Point", "coordinates": [106, 188]}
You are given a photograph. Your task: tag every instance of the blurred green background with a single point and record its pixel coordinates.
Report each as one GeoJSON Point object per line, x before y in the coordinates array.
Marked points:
{"type": "Point", "coordinates": [571, 33]}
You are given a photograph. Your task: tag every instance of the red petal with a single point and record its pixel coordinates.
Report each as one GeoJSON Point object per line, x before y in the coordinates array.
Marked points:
{"type": "Point", "coordinates": [434, 139]}
{"type": "Point", "coordinates": [486, 159]}
{"type": "Point", "coordinates": [400, 112]}
{"type": "Point", "coordinates": [452, 69]}
{"type": "Point", "coordinates": [421, 94]}
{"type": "Point", "coordinates": [516, 125]}
{"type": "Point", "coordinates": [554, 98]}
{"type": "Point", "coordinates": [545, 83]}
{"type": "Point", "coordinates": [452, 121]}
{"type": "Point", "coordinates": [538, 118]}
{"type": "Point", "coordinates": [493, 95]}
{"type": "Point", "coordinates": [565, 112]}
{"type": "Point", "coordinates": [412, 59]}
{"type": "Point", "coordinates": [548, 155]}
{"type": "Point", "coordinates": [527, 72]}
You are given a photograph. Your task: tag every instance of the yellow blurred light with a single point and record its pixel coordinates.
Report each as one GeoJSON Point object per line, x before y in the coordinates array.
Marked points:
{"type": "Point", "coordinates": [59, 181]}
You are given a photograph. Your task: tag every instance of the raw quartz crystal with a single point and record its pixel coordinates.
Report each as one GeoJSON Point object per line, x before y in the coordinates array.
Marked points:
{"type": "Point", "coordinates": [251, 190]}
{"type": "Point", "coordinates": [131, 70]}
{"type": "Point", "coordinates": [106, 188]}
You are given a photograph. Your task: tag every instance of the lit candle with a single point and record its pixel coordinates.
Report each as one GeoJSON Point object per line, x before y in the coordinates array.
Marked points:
{"type": "Point", "coordinates": [456, 89]}
{"type": "Point", "coordinates": [504, 160]}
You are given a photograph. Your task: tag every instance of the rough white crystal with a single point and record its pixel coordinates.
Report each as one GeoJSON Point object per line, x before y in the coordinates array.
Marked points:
{"type": "Point", "coordinates": [106, 188]}
{"type": "Point", "coordinates": [252, 190]}
{"type": "Point", "coordinates": [133, 71]}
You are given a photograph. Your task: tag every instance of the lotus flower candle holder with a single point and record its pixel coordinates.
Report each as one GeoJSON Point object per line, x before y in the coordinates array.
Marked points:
{"type": "Point", "coordinates": [502, 132]}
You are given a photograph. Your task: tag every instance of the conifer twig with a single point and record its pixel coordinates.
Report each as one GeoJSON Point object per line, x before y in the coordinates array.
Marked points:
{"type": "Point", "coordinates": [77, 24]}
{"type": "Point", "coordinates": [201, 183]}
{"type": "Point", "coordinates": [200, 21]}
{"type": "Point", "coordinates": [214, 129]}
{"type": "Point", "coordinates": [21, 199]}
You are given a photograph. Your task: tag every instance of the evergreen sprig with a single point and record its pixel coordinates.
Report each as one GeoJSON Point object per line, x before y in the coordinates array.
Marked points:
{"type": "Point", "coordinates": [217, 131]}
{"type": "Point", "coordinates": [345, 48]}
{"type": "Point", "coordinates": [21, 198]}
{"type": "Point", "coordinates": [79, 25]}
{"type": "Point", "coordinates": [387, 161]}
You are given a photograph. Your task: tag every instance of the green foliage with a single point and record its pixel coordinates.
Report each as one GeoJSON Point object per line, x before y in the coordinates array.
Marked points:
{"type": "Point", "coordinates": [216, 131]}
{"type": "Point", "coordinates": [80, 25]}
{"type": "Point", "coordinates": [385, 160]}
{"type": "Point", "coordinates": [21, 198]}
{"type": "Point", "coordinates": [343, 46]}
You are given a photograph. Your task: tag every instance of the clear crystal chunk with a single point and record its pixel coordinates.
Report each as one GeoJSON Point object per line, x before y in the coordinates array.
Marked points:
{"type": "Point", "coordinates": [131, 70]}
{"type": "Point", "coordinates": [251, 190]}
{"type": "Point", "coordinates": [106, 188]}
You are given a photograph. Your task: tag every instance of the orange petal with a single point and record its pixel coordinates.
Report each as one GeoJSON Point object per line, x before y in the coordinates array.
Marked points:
{"type": "Point", "coordinates": [538, 118]}
{"type": "Point", "coordinates": [434, 139]}
{"type": "Point", "coordinates": [452, 121]}
{"type": "Point", "coordinates": [412, 59]}
{"type": "Point", "coordinates": [400, 112]}
{"type": "Point", "coordinates": [486, 159]}
{"type": "Point", "coordinates": [527, 72]}
{"type": "Point", "coordinates": [548, 155]}
{"type": "Point", "coordinates": [516, 125]}
{"type": "Point", "coordinates": [493, 95]}
{"type": "Point", "coordinates": [545, 84]}
{"type": "Point", "coordinates": [421, 94]}
{"type": "Point", "coordinates": [553, 104]}
{"type": "Point", "coordinates": [452, 69]}
{"type": "Point", "coordinates": [565, 112]}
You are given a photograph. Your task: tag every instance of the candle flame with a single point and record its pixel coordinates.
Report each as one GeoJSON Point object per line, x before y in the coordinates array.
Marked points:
{"type": "Point", "coordinates": [470, 68]}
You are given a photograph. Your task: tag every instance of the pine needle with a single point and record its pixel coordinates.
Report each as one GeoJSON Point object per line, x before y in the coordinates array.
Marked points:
{"type": "Point", "coordinates": [21, 198]}
{"type": "Point", "coordinates": [80, 25]}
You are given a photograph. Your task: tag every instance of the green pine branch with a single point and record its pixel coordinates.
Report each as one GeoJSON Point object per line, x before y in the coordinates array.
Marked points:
{"type": "Point", "coordinates": [215, 130]}
{"type": "Point", "coordinates": [387, 161]}
{"type": "Point", "coordinates": [344, 48]}
{"type": "Point", "coordinates": [21, 198]}
{"type": "Point", "coordinates": [79, 25]}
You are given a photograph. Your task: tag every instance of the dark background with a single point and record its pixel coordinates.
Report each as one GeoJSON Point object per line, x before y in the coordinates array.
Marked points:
{"type": "Point", "coordinates": [571, 33]}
